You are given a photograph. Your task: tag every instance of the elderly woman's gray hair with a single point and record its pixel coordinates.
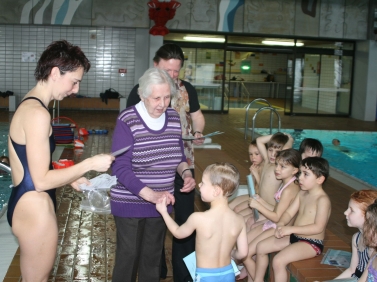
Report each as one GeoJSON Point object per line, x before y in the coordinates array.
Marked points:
{"type": "Point", "coordinates": [155, 76]}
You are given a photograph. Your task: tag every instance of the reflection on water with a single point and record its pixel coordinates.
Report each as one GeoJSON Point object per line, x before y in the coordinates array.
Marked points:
{"type": "Point", "coordinates": [356, 154]}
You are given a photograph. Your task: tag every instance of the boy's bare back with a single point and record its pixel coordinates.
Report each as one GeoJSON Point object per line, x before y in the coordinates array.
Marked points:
{"type": "Point", "coordinates": [217, 232]}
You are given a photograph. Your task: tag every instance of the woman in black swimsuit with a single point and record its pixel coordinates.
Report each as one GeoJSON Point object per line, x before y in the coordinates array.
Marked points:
{"type": "Point", "coordinates": [31, 210]}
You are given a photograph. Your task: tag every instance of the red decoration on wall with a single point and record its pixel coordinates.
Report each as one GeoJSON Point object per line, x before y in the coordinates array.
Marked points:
{"type": "Point", "coordinates": [160, 12]}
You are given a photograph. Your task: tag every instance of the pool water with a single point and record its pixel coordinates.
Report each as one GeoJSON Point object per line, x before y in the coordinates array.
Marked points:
{"type": "Point", "coordinates": [5, 178]}
{"type": "Point", "coordinates": [356, 155]}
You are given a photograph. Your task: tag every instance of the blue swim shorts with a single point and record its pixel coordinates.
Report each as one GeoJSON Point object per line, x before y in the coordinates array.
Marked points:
{"type": "Point", "coordinates": [222, 274]}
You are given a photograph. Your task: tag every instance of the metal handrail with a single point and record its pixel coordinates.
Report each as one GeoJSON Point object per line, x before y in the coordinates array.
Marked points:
{"type": "Point", "coordinates": [6, 168]}
{"type": "Point", "coordinates": [262, 109]}
{"type": "Point", "coordinates": [247, 113]}
{"type": "Point", "coordinates": [244, 89]}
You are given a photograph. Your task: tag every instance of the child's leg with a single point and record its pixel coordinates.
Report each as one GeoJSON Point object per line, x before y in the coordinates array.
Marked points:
{"type": "Point", "coordinates": [255, 236]}
{"type": "Point", "coordinates": [265, 247]}
{"type": "Point", "coordinates": [293, 252]}
{"type": "Point", "coordinates": [246, 213]}
{"type": "Point", "coordinates": [242, 206]}
{"type": "Point", "coordinates": [251, 223]}
{"type": "Point", "coordinates": [238, 200]}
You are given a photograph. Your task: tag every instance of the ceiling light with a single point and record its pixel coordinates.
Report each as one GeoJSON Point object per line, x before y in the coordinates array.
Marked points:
{"type": "Point", "coordinates": [282, 43]}
{"type": "Point", "coordinates": [204, 39]}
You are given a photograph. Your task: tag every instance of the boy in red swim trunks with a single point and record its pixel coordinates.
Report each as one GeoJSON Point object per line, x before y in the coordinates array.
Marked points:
{"type": "Point", "coordinates": [304, 239]}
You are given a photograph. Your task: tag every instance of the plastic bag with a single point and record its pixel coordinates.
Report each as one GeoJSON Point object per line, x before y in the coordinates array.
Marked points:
{"type": "Point", "coordinates": [96, 200]}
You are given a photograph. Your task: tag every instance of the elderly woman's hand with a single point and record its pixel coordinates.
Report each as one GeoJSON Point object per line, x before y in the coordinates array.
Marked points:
{"type": "Point", "coordinates": [152, 196]}
{"type": "Point", "coordinates": [188, 184]}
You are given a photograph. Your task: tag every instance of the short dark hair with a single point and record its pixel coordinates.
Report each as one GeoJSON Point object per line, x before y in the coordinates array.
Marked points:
{"type": "Point", "coordinates": [63, 55]}
{"type": "Point", "coordinates": [312, 144]}
{"type": "Point", "coordinates": [169, 51]}
{"type": "Point", "coordinates": [319, 166]}
{"type": "Point", "coordinates": [278, 140]}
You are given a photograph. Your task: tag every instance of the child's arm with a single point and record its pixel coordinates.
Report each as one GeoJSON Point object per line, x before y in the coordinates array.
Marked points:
{"type": "Point", "coordinates": [179, 232]}
{"type": "Point", "coordinates": [276, 213]}
{"type": "Point", "coordinates": [261, 205]}
{"type": "Point", "coordinates": [242, 247]}
{"type": "Point", "coordinates": [322, 214]}
{"type": "Point", "coordinates": [261, 144]}
{"type": "Point", "coordinates": [289, 143]}
{"type": "Point", "coordinates": [287, 216]}
{"type": "Point", "coordinates": [254, 170]}
{"type": "Point", "coordinates": [354, 260]}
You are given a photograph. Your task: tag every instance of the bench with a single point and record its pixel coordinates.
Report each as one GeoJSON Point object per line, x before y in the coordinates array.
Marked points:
{"type": "Point", "coordinates": [311, 270]}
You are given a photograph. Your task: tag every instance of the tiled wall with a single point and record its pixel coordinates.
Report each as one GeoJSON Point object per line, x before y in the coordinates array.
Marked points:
{"type": "Point", "coordinates": [108, 49]}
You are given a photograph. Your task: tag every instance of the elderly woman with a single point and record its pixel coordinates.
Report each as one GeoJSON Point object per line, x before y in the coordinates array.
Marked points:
{"type": "Point", "coordinates": [146, 174]}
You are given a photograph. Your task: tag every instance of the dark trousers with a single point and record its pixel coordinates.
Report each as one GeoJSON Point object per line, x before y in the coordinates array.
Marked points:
{"type": "Point", "coordinates": [183, 208]}
{"type": "Point", "coordinates": [139, 246]}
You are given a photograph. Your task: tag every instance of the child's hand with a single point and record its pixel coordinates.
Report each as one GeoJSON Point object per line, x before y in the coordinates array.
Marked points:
{"type": "Point", "coordinates": [254, 169]}
{"type": "Point", "coordinates": [282, 231]}
{"type": "Point", "coordinates": [253, 202]}
{"type": "Point", "coordinates": [161, 205]}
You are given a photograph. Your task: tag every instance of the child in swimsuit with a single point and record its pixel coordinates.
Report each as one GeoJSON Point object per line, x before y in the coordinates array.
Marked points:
{"type": "Point", "coordinates": [217, 229]}
{"type": "Point", "coordinates": [287, 165]}
{"type": "Point", "coordinates": [240, 204]}
{"type": "Point", "coordinates": [310, 211]}
{"type": "Point", "coordinates": [370, 240]}
{"type": "Point", "coordinates": [268, 147]}
{"type": "Point", "coordinates": [355, 215]}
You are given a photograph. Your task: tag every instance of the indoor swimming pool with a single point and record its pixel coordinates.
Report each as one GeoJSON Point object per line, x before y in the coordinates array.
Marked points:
{"type": "Point", "coordinates": [5, 178]}
{"type": "Point", "coordinates": [356, 155]}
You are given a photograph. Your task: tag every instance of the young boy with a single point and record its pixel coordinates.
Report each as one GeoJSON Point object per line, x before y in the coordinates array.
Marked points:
{"type": "Point", "coordinates": [217, 229]}
{"type": "Point", "coordinates": [240, 204]}
{"type": "Point", "coordinates": [268, 146]}
{"type": "Point", "coordinates": [310, 147]}
{"type": "Point", "coordinates": [304, 239]}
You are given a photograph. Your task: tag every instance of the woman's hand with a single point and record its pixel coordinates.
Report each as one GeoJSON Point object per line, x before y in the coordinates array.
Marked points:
{"type": "Point", "coordinates": [188, 184]}
{"type": "Point", "coordinates": [152, 196]}
{"type": "Point", "coordinates": [102, 162]}
{"type": "Point", "coordinates": [82, 180]}
{"type": "Point", "coordinates": [198, 141]}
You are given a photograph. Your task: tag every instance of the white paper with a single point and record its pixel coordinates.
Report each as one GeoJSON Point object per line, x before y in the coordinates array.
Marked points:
{"type": "Point", "coordinates": [103, 181]}
{"type": "Point", "coordinates": [189, 138]}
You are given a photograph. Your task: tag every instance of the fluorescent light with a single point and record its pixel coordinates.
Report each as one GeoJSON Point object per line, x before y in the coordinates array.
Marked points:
{"type": "Point", "coordinates": [282, 43]}
{"type": "Point", "coordinates": [204, 39]}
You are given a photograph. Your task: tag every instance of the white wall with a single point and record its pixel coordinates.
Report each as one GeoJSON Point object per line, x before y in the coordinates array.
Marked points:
{"type": "Point", "coordinates": [364, 98]}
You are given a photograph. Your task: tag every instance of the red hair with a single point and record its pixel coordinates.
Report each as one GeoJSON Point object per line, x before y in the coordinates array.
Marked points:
{"type": "Point", "coordinates": [364, 198]}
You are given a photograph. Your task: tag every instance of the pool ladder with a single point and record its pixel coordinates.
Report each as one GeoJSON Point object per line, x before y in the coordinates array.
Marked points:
{"type": "Point", "coordinates": [5, 168]}
{"type": "Point", "coordinates": [269, 107]}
